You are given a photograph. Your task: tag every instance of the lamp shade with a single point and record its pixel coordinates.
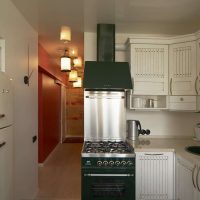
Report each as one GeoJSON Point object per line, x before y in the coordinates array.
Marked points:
{"type": "Point", "coordinates": [65, 33]}
{"type": "Point", "coordinates": [73, 52]}
{"type": "Point", "coordinates": [65, 64]}
{"type": "Point", "coordinates": [78, 83]}
{"type": "Point", "coordinates": [73, 76]}
{"type": "Point", "coordinates": [77, 62]}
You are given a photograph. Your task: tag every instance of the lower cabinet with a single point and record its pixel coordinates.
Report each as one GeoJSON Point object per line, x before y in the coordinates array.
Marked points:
{"type": "Point", "coordinates": [187, 180]}
{"type": "Point", "coordinates": [155, 175]}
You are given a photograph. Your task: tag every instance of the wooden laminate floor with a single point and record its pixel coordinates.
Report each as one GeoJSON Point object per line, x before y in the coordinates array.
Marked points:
{"type": "Point", "coordinates": [60, 177]}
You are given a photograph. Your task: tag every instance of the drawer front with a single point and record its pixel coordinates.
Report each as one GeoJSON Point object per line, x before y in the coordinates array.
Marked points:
{"type": "Point", "coordinates": [182, 99]}
{"type": "Point", "coordinates": [183, 106]}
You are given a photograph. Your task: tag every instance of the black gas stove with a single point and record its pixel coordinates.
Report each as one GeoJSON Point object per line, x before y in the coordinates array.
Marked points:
{"type": "Point", "coordinates": [108, 170]}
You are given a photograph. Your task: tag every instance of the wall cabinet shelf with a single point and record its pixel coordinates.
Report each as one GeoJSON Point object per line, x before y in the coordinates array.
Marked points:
{"type": "Point", "coordinates": [147, 102]}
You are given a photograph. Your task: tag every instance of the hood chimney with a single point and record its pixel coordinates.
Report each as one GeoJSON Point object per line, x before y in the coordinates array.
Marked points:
{"type": "Point", "coordinates": [106, 42]}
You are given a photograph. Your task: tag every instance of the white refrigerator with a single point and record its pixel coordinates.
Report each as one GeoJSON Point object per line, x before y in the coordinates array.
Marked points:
{"type": "Point", "coordinates": [6, 138]}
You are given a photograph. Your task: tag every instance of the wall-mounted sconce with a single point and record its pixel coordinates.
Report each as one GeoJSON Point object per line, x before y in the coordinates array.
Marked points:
{"type": "Point", "coordinates": [73, 75]}
{"type": "Point", "coordinates": [77, 62]}
{"type": "Point", "coordinates": [78, 83]}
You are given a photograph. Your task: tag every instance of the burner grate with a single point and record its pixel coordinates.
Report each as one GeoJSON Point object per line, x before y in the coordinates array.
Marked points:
{"type": "Point", "coordinates": [107, 147]}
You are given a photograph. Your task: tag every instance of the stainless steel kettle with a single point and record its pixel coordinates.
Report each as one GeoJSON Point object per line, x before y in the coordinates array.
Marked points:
{"type": "Point", "coordinates": [134, 129]}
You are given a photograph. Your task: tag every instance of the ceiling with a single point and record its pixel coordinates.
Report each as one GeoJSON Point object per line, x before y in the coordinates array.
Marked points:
{"type": "Point", "coordinates": [130, 16]}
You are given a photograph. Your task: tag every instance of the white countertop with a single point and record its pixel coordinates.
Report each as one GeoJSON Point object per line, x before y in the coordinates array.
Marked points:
{"type": "Point", "coordinates": [165, 144]}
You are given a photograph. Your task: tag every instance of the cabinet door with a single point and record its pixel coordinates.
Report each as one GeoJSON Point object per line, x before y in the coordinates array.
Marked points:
{"type": "Point", "coordinates": [184, 183]}
{"type": "Point", "coordinates": [6, 164]}
{"type": "Point", "coordinates": [182, 68]}
{"type": "Point", "coordinates": [149, 69]}
{"type": "Point", "coordinates": [197, 191]}
{"type": "Point", "coordinates": [154, 175]}
{"type": "Point", "coordinates": [198, 68]}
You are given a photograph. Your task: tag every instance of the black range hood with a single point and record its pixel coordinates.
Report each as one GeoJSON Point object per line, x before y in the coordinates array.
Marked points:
{"type": "Point", "coordinates": [105, 73]}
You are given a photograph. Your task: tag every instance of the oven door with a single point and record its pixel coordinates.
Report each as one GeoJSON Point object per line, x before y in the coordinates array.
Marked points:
{"type": "Point", "coordinates": [108, 186]}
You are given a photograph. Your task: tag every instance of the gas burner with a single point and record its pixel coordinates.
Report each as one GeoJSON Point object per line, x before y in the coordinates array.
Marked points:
{"type": "Point", "coordinates": [107, 147]}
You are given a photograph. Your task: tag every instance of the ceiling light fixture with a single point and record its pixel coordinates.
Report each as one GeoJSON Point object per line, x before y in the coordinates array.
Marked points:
{"type": "Point", "coordinates": [65, 34]}
{"type": "Point", "coordinates": [65, 62]}
{"type": "Point", "coordinates": [70, 58]}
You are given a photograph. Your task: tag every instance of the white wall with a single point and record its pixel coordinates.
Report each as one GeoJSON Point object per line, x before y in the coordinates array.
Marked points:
{"type": "Point", "coordinates": [161, 123]}
{"type": "Point", "coordinates": [18, 34]}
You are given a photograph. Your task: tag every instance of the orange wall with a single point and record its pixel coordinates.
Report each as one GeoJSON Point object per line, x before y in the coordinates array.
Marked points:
{"type": "Point", "coordinates": [45, 62]}
{"type": "Point", "coordinates": [49, 98]}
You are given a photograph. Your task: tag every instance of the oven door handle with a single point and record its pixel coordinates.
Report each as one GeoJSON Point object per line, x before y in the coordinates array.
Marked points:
{"type": "Point", "coordinates": [109, 175]}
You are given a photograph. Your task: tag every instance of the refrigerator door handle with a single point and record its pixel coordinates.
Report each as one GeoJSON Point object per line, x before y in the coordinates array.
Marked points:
{"type": "Point", "coordinates": [2, 144]}
{"type": "Point", "coordinates": [2, 116]}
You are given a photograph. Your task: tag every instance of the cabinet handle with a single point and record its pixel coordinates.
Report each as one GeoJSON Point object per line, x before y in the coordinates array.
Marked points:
{"type": "Point", "coordinates": [2, 116]}
{"type": "Point", "coordinates": [2, 144]}
{"type": "Point", "coordinates": [197, 179]}
{"type": "Point", "coordinates": [196, 85]}
{"type": "Point", "coordinates": [170, 86]}
{"type": "Point", "coordinates": [193, 176]}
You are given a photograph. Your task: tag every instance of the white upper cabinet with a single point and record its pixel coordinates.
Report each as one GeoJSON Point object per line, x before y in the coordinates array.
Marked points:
{"type": "Point", "coordinates": [149, 69]}
{"type": "Point", "coordinates": [182, 69]}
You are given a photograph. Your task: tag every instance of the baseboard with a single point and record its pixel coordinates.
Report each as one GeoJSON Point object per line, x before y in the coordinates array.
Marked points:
{"type": "Point", "coordinates": [73, 140]}
{"type": "Point", "coordinates": [49, 156]}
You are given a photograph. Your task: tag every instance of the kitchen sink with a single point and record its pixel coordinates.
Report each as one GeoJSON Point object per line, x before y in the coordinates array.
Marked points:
{"type": "Point", "coordinates": [193, 149]}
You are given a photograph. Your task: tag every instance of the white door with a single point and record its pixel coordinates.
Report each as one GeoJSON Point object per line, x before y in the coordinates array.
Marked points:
{"type": "Point", "coordinates": [149, 69]}
{"type": "Point", "coordinates": [6, 104]}
{"type": "Point", "coordinates": [182, 68]}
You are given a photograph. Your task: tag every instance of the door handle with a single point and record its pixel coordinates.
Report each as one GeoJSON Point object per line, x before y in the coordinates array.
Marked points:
{"type": "Point", "coordinates": [105, 175]}
{"type": "Point", "coordinates": [153, 154]}
{"type": "Point", "coordinates": [2, 116]}
{"type": "Point", "coordinates": [196, 85]}
{"type": "Point", "coordinates": [2, 144]}
{"type": "Point", "coordinates": [197, 179]}
{"type": "Point", "coordinates": [170, 86]}
{"type": "Point", "coordinates": [193, 176]}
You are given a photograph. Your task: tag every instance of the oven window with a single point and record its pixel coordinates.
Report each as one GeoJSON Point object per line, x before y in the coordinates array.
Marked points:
{"type": "Point", "coordinates": [110, 188]}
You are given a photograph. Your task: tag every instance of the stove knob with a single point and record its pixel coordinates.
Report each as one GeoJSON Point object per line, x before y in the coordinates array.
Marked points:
{"type": "Point", "coordinates": [99, 163]}
{"type": "Point", "coordinates": [117, 163]}
{"type": "Point", "coordinates": [105, 163]}
{"type": "Point", "coordinates": [123, 163]}
{"type": "Point", "coordinates": [130, 163]}
{"type": "Point", "coordinates": [111, 163]}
